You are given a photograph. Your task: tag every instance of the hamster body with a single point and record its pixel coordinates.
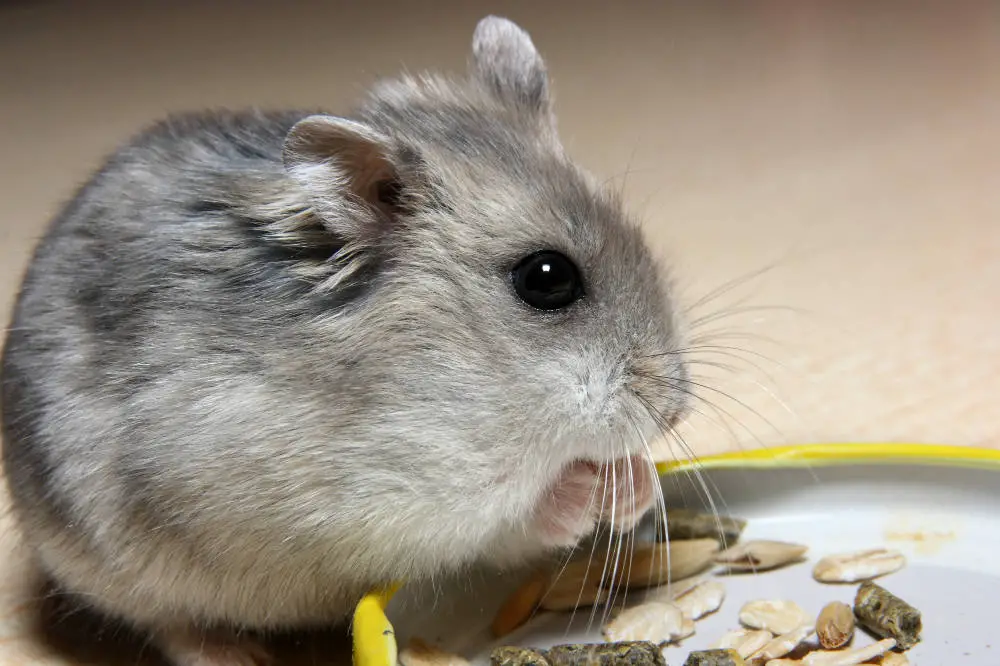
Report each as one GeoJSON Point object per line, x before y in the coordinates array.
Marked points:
{"type": "Point", "coordinates": [265, 361]}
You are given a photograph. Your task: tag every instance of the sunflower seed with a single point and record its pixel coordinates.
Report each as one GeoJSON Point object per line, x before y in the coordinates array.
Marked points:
{"type": "Point", "coordinates": [835, 625]}
{"type": "Point", "coordinates": [761, 555]}
{"type": "Point", "coordinates": [848, 657]}
{"type": "Point", "coordinates": [579, 583]}
{"type": "Point", "coordinates": [778, 617]}
{"type": "Point", "coordinates": [564, 598]}
{"type": "Point", "coordinates": [654, 621]}
{"type": "Point", "coordinates": [745, 641]}
{"type": "Point", "coordinates": [782, 645]}
{"type": "Point", "coordinates": [714, 658]}
{"type": "Point", "coordinates": [660, 563]}
{"type": "Point", "coordinates": [887, 616]}
{"type": "Point", "coordinates": [419, 653]}
{"type": "Point", "coordinates": [702, 599]}
{"type": "Point", "coordinates": [519, 606]}
{"type": "Point", "coordinates": [858, 566]}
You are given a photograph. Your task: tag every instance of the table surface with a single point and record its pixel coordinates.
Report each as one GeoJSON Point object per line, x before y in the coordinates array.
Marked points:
{"type": "Point", "coordinates": [838, 162]}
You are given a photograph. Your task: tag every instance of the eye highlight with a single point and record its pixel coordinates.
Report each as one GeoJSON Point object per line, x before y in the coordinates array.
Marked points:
{"type": "Point", "coordinates": [547, 280]}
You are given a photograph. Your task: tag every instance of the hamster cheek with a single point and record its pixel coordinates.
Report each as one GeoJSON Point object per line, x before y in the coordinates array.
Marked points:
{"type": "Point", "coordinates": [628, 490]}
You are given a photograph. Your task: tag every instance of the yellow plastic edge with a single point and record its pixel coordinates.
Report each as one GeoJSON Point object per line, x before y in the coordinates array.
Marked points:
{"type": "Point", "coordinates": [374, 640]}
{"type": "Point", "coordinates": [372, 636]}
{"type": "Point", "coordinates": [848, 453]}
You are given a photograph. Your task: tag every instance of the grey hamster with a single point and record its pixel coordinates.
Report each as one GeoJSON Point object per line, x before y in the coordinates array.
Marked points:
{"type": "Point", "coordinates": [264, 361]}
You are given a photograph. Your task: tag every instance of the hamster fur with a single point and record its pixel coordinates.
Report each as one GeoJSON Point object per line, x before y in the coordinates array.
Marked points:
{"type": "Point", "coordinates": [264, 361]}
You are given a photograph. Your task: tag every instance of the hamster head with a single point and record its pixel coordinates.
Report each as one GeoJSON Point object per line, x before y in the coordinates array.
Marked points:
{"type": "Point", "coordinates": [513, 333]}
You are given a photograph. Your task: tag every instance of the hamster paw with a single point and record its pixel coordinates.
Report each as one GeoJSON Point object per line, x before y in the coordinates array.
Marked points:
{"type": "Point", "coordinates": [190, 647]}
{"type": "Point", "coordinates": [566, 515]}
{"type": "Point", "coordinates": [630, 495]}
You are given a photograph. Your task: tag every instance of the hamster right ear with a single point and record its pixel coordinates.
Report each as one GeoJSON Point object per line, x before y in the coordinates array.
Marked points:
{"type": "Point", "coordinates": [345, 168]}
{"type": "Point", "coordinates": [506, 61]}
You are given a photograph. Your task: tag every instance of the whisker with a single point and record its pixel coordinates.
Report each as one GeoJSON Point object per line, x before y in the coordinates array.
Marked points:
{"type": "Point", "coordinates": [729, 285]}
{"type": "Point", "coordinates": [741, 310]}
{"type": "Point", "coordinates": [669, 381]}
{"type": "Point", "coordinates": [721, 411]}
{"type": "Point", "coordinates": [590, 559]}
{"type": "Point", "coordinates": [703, 482]}
{"type": "Point", "coordinates": [710, 335]}
{"type": "Point", "coordinates": [722, 350]}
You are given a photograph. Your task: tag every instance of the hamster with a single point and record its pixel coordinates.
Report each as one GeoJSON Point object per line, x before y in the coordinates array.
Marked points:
{"type": "Point", "coordinates": [262, 362]}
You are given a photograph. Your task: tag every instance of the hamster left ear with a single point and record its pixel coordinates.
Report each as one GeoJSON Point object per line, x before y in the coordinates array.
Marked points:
{"type": "Point", "coordinates": [328, 156]}
{"type": "Point", "coordinates": [505, 60]}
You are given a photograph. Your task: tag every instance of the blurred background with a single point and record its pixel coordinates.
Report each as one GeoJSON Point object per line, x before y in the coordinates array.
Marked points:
{"type": "Point", "coordinates": [836, 163]}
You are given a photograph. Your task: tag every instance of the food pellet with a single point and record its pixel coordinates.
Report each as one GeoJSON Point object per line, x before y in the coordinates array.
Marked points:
{"type": "Point", "coordinates": [635, 653]}
{"type": "Point", "coordinates": [715, 658]}
{"type": "Point", "coordinates": [887, 616]}
{"type": "Point", "coordinates": [688, 524]}
{"type": "Point", "coordinates": [516, 656]}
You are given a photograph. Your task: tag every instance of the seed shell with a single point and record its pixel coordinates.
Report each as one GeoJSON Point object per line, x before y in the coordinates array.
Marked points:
{"type": "Point", "coordinates": [778, 616]}
{"type": "Point", "coordinates": [761, 555]}
{"type": "Point", "coordinates": [781, 645]}
{"type": "Point", "coordinates": [702, 599]}
{"type": "Point", "coordinates": [858, 566]}
{"type": "Point", "coordinates": [848, 657]}
{"type": "Point", "coordinates": [745, 641]}
{"type": "Point", "coordinates": [654, 621]}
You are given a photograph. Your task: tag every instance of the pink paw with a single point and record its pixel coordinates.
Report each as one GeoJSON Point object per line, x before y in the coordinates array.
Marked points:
{"type": "Point", "coordinates": [586, 492]}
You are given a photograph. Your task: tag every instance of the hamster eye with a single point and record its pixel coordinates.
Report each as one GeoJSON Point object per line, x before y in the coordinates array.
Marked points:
{"type": "Point", "coordinates": [547, 280]}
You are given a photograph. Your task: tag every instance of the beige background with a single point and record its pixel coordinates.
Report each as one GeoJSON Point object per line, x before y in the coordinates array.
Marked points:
{"type": "Point", "coordinates": [852, 149]}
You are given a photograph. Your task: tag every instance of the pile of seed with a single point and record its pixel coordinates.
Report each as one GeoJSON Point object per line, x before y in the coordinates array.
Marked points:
{"type": "Point", "coordinates": [772, 632]}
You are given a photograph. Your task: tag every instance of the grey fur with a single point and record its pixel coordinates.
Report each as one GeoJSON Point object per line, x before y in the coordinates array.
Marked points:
{"type": "Point", "coordinates": [241, 388]}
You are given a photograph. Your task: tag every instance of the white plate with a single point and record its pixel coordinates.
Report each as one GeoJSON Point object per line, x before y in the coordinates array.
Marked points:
{"type": "Point", "coordinates": [946, 520]}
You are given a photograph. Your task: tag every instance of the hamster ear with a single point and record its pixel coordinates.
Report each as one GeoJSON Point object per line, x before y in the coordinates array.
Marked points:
{"type": "Point", "coordinates": [505, 59]}
{"type": "Point", "coordinates": [341, 163]}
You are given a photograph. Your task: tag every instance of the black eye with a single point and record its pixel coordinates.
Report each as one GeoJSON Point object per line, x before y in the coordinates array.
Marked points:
{"type": "Point", "coordinates": [547, 280]}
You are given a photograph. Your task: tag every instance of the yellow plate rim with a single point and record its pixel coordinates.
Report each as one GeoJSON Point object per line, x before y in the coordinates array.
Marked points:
{"type": "Point", "coordinates": [372, 634]}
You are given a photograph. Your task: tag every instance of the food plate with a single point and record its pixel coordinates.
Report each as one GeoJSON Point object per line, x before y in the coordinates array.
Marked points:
{"type": "Point", "coordinates": [939, 505]}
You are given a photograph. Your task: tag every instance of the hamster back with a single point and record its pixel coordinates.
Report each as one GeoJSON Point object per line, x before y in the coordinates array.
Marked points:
{"type": "Point", "coordinates": [262, 362]}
